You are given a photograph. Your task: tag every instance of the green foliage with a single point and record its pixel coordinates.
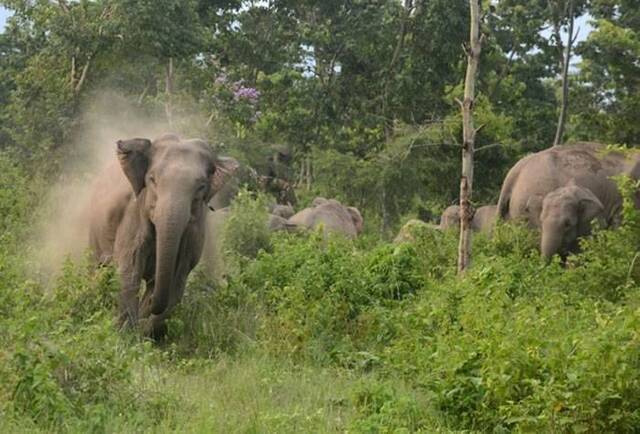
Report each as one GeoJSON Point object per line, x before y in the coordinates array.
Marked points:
{"type": "Point", "coordinates": [308, 334]}
{"type": "Point", "coordinates": [63, 362]}
{"type": "Point", "coordinates": [246, 232]}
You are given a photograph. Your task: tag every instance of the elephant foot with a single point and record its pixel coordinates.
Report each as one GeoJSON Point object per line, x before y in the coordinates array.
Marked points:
{"type": "Point", "coordinates": [154, 327]}
{"type": "Point", "coordinates": [128, 319]}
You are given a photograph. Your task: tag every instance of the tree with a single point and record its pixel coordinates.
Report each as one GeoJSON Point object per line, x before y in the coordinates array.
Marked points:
{"type": "Point", "coordinates": [608, 82]}
{"type": "Point", "coordinates": [564, 99]}
{"type": "Point", "coordinates": [469, 134]}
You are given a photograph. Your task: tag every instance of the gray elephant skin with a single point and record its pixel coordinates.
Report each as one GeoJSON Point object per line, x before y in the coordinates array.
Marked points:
{"type": "Point", "coordinates": [332, 215]}
{"type": "Point", "coordinates": [483, 218]}
{"type": "Point", "coordinates": [148, 217]}
{"type": "Point", "coordinates": [562, 189]}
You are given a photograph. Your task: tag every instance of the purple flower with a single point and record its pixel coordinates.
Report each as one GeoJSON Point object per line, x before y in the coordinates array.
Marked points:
{"type": "Point", "coordinates": [247, 93]}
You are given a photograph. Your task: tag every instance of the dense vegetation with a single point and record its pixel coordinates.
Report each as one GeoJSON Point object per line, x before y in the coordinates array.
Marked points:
{"type": "Point", "coordinates": [308, 334]}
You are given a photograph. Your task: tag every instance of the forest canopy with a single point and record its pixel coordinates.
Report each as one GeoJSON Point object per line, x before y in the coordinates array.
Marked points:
{"type": "Point", "coordinates": [364, 87]}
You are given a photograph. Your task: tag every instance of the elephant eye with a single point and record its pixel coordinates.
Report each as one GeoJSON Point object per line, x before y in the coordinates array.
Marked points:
{"type": "Point", "coordinates": [152, 179]}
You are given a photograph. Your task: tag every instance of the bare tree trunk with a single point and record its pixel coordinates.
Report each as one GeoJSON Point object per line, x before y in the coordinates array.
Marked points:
{"type": "Point", "coordinates": [169, 91]}
{"type": "Point", "coordinates": [469, 137]}
{"type": "Point", "coordinates": [564, 102]}
{"type": "Point", "coordinates": [385, 212]}
{"type": "Point", "coordinates": [73, 72]}
{"type": "Point", "coordinates": [406, 14]}
{"type": "Point", "coordinates": [309, 175]}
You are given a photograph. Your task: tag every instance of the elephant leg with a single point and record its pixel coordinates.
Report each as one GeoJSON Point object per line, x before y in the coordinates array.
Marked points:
{"type": "Point", "coordinates": [147, 297]}
{"type": "Point", "coordinates": [131, 274]}
{"type": "Point", "coordinates": [129, 299]}
{"type": "Point", "coordinates": [151, 325]}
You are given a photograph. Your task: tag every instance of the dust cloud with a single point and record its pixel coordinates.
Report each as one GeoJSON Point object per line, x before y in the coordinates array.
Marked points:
{"type": "Point", "coordinates": [62, 231]}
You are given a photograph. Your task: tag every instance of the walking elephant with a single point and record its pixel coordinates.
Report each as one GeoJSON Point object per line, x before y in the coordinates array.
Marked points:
{"type": "Point", "coordinates": [579, 176]}
{"type": "Point", "coordinates": [148, 217]}
{"type": "Point", "coordinates": [332, 215]}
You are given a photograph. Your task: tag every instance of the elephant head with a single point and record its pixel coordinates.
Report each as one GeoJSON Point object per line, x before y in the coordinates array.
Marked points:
{"type": "Point", "coordinates": [172, 180]}
{"type": "Point", "coordinates": [533, 210]}
{"type": "Point", "coordinates": [450, 218]}
{"type": "Point", "coordinates": [358, 221]}
{"type": "Point", "coordinates": [566, 215]}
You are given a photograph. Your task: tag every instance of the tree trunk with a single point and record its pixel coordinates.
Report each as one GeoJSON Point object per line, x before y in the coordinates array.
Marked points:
{"type": "Point", "coordinates": [564, 102]}
{"type": "Point", "coordinates": [385, 212]}
{"type": "Point", "coordinates": [309, 175]}
{"type": "Point", "coordinates": [469, 136]}
{"type": "Point", "coordinates": [386, 92]}
{"type": "Point", "coordinates": [169, 92]}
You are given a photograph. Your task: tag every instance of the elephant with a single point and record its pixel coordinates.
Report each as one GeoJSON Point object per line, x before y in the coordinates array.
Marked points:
{"type": "Point", "coordinates": [244, 176]}
{"type": "Point", "coordinates": [483, 218]}
{"type": "Point", "coordinates": [450, 217]}
{"type": "Point", "coordinates": [332, 215]}
{"type": "Point", "coordinates": [567, 213]}
{"type": "Point", "coordinates": [583, 164]}
{"type": "Point", "coordinates": [248, 177]}
{"type": "Point", "coordinates": [147, 215]}
{"type": "Point", "coordinates": [284, 211]}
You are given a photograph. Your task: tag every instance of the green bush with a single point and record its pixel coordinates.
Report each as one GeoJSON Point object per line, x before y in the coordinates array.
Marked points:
{"type": "Point", "coordinates": [246, 231]}
{"type": "Point", "coordinates": [63, 362]}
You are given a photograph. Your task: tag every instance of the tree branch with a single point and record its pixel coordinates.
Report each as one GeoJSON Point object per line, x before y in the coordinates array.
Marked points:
{"type": "Point", "coordinates": [83, 77]}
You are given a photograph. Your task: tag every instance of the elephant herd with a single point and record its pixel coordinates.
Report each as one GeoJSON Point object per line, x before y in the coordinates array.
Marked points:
{"type": "Point", "coordinates": [560, 191]}
{"type": "Point", "coordinates": [152, 209]}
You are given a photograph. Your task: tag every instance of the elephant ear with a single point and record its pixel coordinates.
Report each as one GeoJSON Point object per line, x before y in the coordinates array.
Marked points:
{"type": "Point", "coordinates": [356, 217]}
{"type": "Point", "coordinates": [589, 209]}
{"type": "Point", "coordinates": [223, 169]}
{"type": "Point", "coordinates": [133, 155]}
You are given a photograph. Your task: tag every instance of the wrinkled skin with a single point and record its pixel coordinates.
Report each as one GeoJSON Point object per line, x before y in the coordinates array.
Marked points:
{"type": "Point", "coordinates": [332, 215]}
{"type": "Point", "coordinates": [586, 165]}
{"type": "Point", "coordinates": [567, 214]}
{"type": "Point", "coordinates": [148, 217]}
{"type": "Point", "coordinates": [484, 218]}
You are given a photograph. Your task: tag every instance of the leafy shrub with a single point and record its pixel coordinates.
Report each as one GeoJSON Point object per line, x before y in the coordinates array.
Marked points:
{"type": "Point", "coordinates": [63, 361]}
{"type": "Point", "coordinates": [246, 231]}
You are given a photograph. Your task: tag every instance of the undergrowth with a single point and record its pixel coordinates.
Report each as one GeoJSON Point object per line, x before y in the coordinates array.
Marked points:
{"type": "Point", "coordinates": [309, 334]}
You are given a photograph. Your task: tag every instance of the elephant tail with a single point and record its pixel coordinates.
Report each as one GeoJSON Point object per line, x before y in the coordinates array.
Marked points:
{"type": "Point", "coordinates": [502, 212]}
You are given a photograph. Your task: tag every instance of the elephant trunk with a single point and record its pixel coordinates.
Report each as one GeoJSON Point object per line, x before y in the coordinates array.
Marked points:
{"type": "Point", "coordinates": [171, 221]}
{"type": "Point", "coordinates": [551, 242]}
